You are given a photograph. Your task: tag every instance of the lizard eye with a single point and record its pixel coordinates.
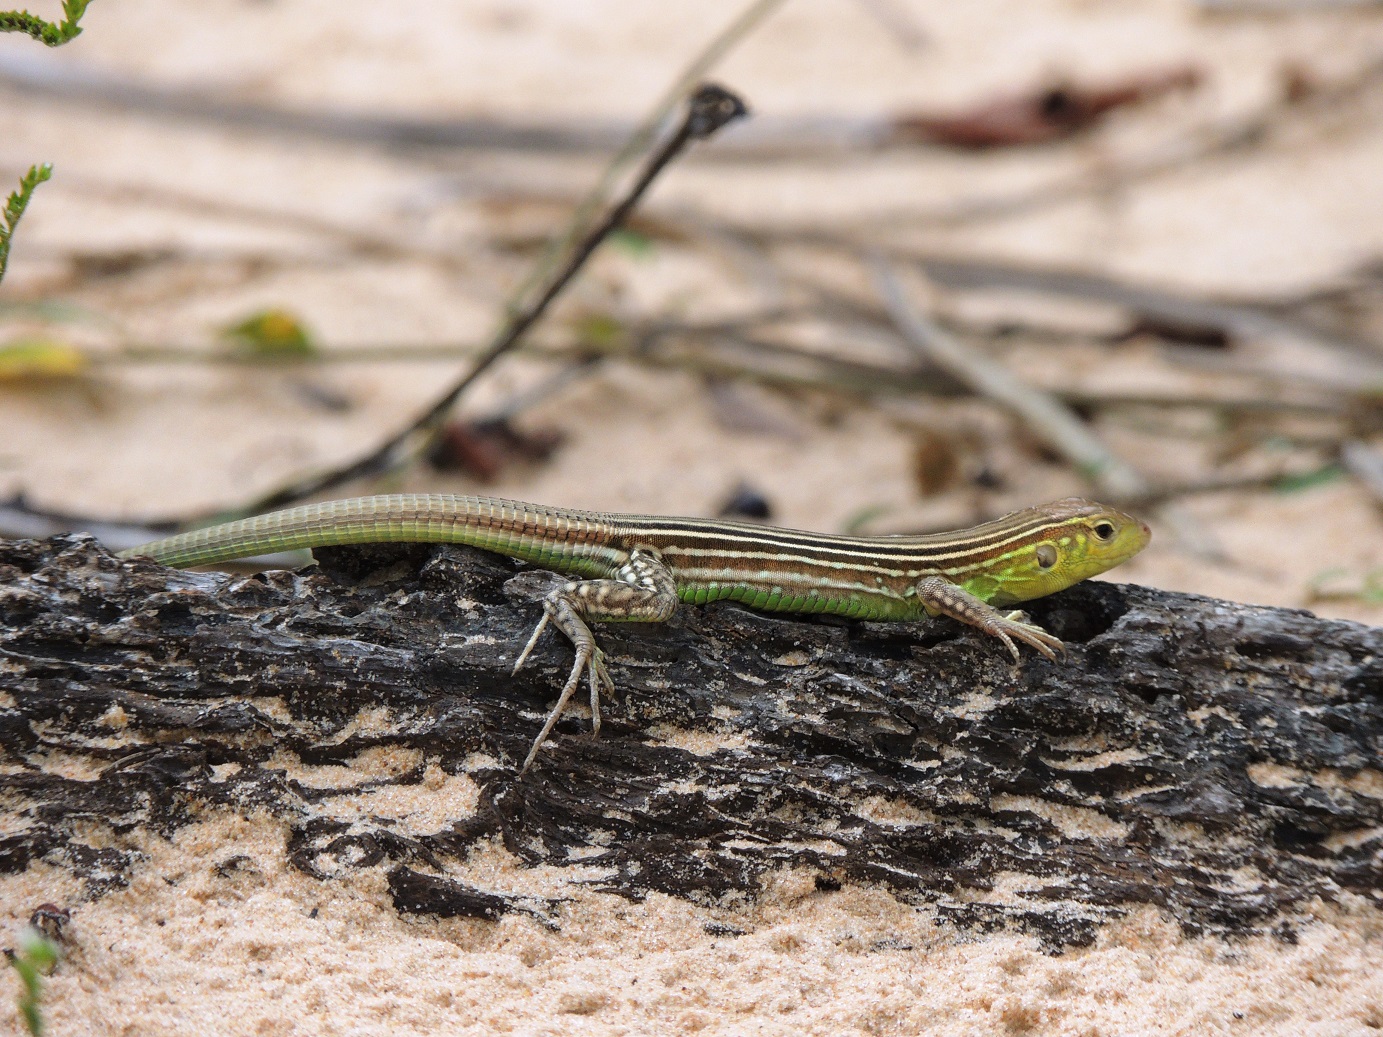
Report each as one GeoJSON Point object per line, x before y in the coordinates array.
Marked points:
{"type": "Point", "coordinates": [1104, 530]}
{"type": "Point", "coordinates": [1046, 555]}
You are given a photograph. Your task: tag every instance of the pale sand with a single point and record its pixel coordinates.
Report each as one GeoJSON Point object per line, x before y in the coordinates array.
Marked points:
{"type": "Point", "coordinates": [269, 950]}
{"type": "Point", "coordinates": [185, 950]}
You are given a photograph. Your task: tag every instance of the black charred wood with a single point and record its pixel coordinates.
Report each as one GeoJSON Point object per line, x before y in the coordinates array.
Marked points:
{"type": "Point", "coordinates": [1220, 761]}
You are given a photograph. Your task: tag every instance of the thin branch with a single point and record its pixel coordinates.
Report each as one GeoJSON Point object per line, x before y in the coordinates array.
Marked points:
{"type": "Point", "coordinates": [1168, 492]}
{"type": "Point", "coordinates": [902, 26]}
{"type": "Point", "coordinates": [1054, 423]}
{"type": "Point", "coordinates": [95, 88]}
{"type": "Point", "coordinates": [1240, 319]}
{"type": "Point", "coordinates": [638, 141]}
{"type": "Point", "coordinates": [737, 348]}
{"type": "Point", "coordinates": [709, 109]}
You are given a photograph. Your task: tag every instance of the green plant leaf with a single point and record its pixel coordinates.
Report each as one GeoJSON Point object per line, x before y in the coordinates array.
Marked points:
{"type": "Point", "coordinates": [54, 36]}
{"type": "Point", "coordinates": [601, 330]}
{"type": "Point", "coordinates": [632, 243]}
{"type": "Point", "coordinates": [274, 333]}
{"type": "Point", "coordinates": [35, 957]}
{"type": "Point", "coordinates": [46, 32]}
{"type": "Point", "coordinates": [1340, 584]}
{"type": "Point", "coordinates": [38, 359]}
{"type": "Point", "coordinates": [1309, 480]}
{"type": "Point", "coordinates": [861, 517]}
{"type": "Point", "coordinates": [15, 205]}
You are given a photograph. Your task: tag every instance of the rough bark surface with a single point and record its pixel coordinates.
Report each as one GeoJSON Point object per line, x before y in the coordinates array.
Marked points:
{"type": "Point", "coordinates": [1218, 760]}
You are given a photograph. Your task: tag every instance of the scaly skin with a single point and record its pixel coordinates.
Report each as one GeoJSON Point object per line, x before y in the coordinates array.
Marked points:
{"type": "Point", "coordinates": [636, 568]}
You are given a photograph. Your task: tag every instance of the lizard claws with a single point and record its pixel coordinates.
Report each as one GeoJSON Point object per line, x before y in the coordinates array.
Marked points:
{"type": "Point", "coordinates": [1016, 624]}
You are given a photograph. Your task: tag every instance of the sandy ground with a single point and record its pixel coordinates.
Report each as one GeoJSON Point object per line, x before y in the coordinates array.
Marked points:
{"type": "Point", "coordinates": [271, 951]}
{"type": "Point", "coordinates": [160, 233]}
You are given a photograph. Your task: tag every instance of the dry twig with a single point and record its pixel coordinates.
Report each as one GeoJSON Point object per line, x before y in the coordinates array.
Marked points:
{"type": "Point", "coordinates": [709, 109]}
{"type": "Point", "coordinates": [1043, 415]}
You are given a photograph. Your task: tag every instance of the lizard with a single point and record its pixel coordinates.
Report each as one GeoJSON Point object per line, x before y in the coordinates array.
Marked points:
{"type": "Point", "coordinates": [638, 568]}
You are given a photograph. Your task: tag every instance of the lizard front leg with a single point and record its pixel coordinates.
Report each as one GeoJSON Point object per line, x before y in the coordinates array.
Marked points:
{"type": "Point", "coordinates": [943, 598]}
{"type": "Point", "coordinates": [643, 591]}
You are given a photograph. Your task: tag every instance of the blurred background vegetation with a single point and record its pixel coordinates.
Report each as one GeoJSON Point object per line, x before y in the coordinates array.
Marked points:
{"type": "Point", "coordinates": [961, 258]}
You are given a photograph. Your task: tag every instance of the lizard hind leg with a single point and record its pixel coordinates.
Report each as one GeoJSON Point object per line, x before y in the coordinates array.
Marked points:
{"type": "Point", "coordinates": [643, 591]}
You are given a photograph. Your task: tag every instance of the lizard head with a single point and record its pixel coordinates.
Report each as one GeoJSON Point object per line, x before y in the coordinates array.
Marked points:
{"type": "Point", "coordinates": [1065, 542]}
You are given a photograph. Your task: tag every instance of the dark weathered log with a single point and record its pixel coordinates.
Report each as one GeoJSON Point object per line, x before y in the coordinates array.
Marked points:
{"type": "Point", "coordinates": [1218, 760]}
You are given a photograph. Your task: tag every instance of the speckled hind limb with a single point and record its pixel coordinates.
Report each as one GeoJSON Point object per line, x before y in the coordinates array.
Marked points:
{"type": "Point", "coordinates": [643, 591]}
{"type": "Point", "coordinates": [942, 598]}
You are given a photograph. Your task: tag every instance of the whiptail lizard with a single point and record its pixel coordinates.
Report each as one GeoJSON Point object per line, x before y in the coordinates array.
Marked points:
{"type": "Point", "coordinates": [636, 568]}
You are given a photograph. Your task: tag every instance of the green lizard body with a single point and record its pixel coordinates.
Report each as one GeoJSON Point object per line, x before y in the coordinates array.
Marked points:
{"type": "Point", "coordinates": [637, 568]}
